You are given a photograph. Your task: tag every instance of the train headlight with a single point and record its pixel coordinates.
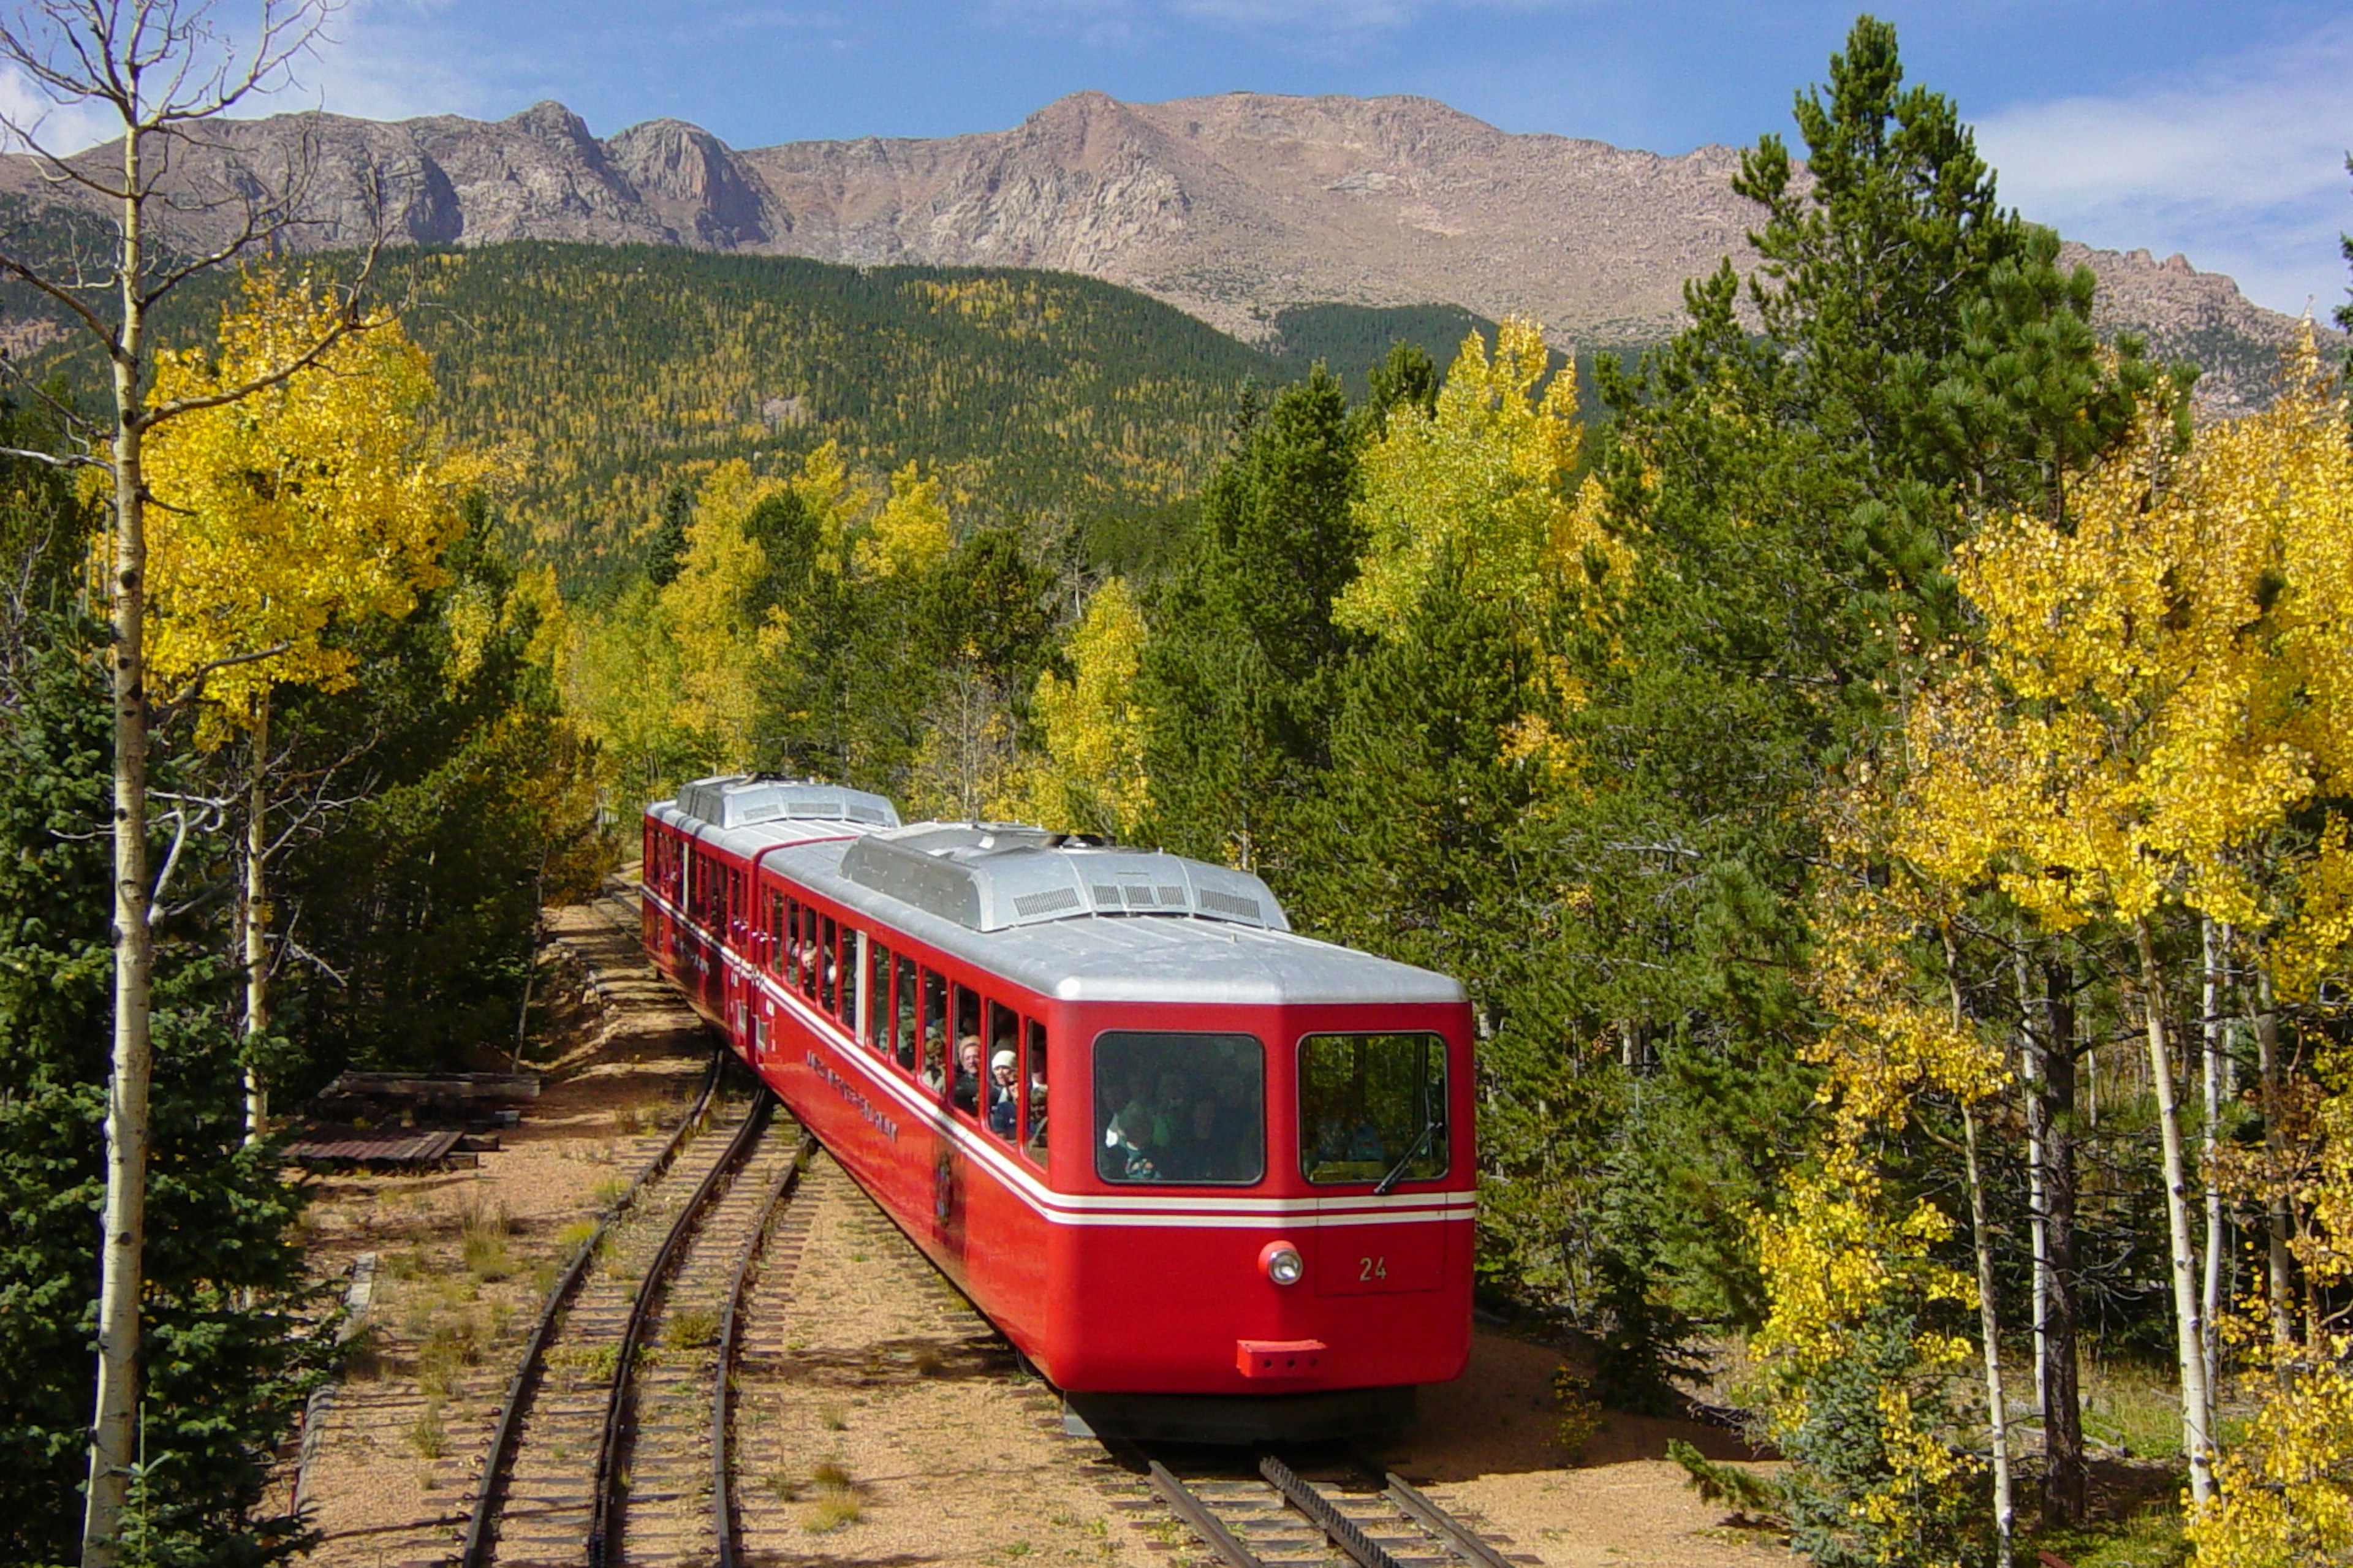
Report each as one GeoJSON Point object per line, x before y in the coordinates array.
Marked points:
{"type": "Point", "coordinates": [1281, 1262]}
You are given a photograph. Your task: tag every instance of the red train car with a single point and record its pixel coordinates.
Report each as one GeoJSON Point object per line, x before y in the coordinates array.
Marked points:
{"type": "Point", "coordinates": [1214, 1179]}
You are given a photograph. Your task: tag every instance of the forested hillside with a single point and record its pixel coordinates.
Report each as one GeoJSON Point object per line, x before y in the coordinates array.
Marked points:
{"type": "Point", "coordinates": [604, 375]}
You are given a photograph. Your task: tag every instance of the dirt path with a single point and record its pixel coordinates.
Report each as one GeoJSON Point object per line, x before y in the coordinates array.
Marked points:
{"type": "Point", "coordinates": [1484, 1446]}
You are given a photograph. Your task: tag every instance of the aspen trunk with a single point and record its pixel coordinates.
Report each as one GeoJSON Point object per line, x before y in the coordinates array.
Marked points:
{"type": "Point", "coordinates": [1988, 1310]}
{"type": "Point", "coordinates": [2212, 943]}
{"type": "Point", "coordinates": [256, 922]}
{"type": "Point", "coordinates": [2196, 1407]}
{"type": "Point", "coordinates": [122, 1226]}
{"type": "Point", "coordinates": [2031, 1076]}
{"type": "Point", "coordinates": [2065, 1475]}
{"type": "Point", "coordinates": [1990, 1333]}
{"type": "Point", "coordinates": [2279, 1279]}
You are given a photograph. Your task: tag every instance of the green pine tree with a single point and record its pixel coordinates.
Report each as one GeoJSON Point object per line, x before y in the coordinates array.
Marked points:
{"type": "Point", "coordinates": [230, 1346]}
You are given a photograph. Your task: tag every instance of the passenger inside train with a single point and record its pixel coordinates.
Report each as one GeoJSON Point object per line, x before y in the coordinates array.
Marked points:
{"type": "Point", "coordinates": [1180, 1107]}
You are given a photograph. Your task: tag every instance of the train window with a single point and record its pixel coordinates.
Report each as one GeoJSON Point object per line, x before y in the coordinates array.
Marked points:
{"type": "Point", "coordinates": [1180, 1107]}
{"type": "Point", "coordinates": [935, 1013]}
{"type": "Point", "coordinates": [826, 973]}
{"type": "Point", "coordinates": [853, 975]}
{"type": "Point", "coordinates": [776, 937]}
{"type": "Point", "coordinates": [805, 944]}
{"type": "Point", "coordinates": [905, 1037]}
{"type": "Point", "coordinates": [1034, 1074]}
{"type": "Point", "coordinates": [1372, 1108]}
{"type": "Point", "coordinates": [966, 1064]}
{"type": "Point", "coordinates": [1000, 1074]}
{"type": "Point", "coordinates": [850, 972]}
{"type": "Point", "coordinates": [877, 998]}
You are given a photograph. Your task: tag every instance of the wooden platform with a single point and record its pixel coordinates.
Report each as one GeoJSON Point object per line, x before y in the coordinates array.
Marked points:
{"type": "Point", "coordinates": [393, 1148]}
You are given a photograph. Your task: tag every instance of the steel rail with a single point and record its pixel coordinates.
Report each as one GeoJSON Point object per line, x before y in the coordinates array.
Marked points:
{"type": "Point", "coordinates": [1458, 1536]}
{"type": "Point", "coordinates": [474, 1550]}
{"type": "Point", "coordinates": [1212, 1529]}
{"type": "Point", "coordinates": [724, 1527]}
{"type": "Point", "coordinates": [620, 1403]}
{"type": "Point", "coordinates": [1337, 1527]}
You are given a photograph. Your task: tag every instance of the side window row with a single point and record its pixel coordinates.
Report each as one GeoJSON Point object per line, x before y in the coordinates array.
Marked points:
{"type": "Point", "coordinates": [984, 1057]}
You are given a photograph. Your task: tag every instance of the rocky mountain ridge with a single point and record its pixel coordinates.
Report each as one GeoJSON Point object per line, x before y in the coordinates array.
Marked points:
{"type": "Point", "coordinates": [1229, 207]}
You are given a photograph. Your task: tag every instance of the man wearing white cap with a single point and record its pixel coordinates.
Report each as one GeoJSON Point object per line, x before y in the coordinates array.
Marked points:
{"type": "Point", "coordinates": [1004, 1108]}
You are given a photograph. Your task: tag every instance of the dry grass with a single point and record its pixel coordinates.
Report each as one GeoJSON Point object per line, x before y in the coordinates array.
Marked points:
{"type": "Point", "coordinates": [691, 1328]}
{"type": "Point", "coordinates": [482, 1232]}
{"type": "Point", "coordinates": [426, 1435]}
{"type": "Point", "coordinates": [835, 1504]}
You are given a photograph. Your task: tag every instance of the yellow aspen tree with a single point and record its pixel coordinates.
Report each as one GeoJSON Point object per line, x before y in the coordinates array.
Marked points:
{"type": "Point", "coordinates": [719, 629]}
{"type": "Point", "coordinates": [1486, 480]}
{"type": "Point", "coordinates": [316, 502]}
{"type": "Point", "coordinates": [620, 677]}
{"type": "Point", "coordinates": [2158, 685]}
{"type": "Point", "coordinates": [2285, 1490]}
{"type": "Point", "coordinates": [156, 70]}
{"type": "Point", "coordinates": [1839, 1262]}
{"type": "Point", "coordinates": [1891, 1038]}
{"type": "Point", "coordinates": [1093, 725]}
{"type": "Point", "coordinates": [909, 531]}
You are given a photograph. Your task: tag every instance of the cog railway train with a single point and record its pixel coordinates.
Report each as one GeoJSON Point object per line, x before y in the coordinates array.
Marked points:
{"type": "Point", "coordinates": [1212, 1178]}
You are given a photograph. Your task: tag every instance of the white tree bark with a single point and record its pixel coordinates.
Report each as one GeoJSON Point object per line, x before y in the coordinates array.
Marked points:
{"type": "Point", "coordinates": [1989, 1338]}
{"type": "Point", "coordinates": [253, 911]}
{"type": "Point", "coordinates": [122, 1227]}
{"type": "Point", "coordinates": [2213, 942]}
{"type": "Point", "coordinates": [2197, 1407]}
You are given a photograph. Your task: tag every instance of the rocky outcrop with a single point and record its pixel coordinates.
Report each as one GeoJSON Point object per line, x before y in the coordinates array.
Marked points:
{"type": "Point", "coordinates": [1228, 207]}
{"type": "Point", "coordinates": [691, 183]}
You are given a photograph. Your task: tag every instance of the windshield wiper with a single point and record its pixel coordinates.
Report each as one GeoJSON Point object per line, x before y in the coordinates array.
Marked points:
{"type": "Point", "coordinates": [1430, 1129]}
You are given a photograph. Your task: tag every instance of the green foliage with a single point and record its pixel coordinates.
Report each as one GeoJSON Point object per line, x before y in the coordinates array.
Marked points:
{"type": "Point", "coordinates": [1747, 1493]}
{"type": "Point", "coordinates": [1352, 341]}
{"type": "Point", "coordinates": [1238, 676]}
{"type": "Point", "coordinates": [469, 805]}
{"type": "Point", "coordinates": [226, 1354]}
{"type": "Point", "coordinates": [1852, 1500]}
{"type": "Point", "coordinates": [612, 373]}
{"type": "Point", "coordinates": [1792, 499]}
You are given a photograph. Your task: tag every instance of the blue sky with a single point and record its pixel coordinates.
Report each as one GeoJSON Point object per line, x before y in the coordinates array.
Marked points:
{"type": "Point", "coordinates": [2216, 130]}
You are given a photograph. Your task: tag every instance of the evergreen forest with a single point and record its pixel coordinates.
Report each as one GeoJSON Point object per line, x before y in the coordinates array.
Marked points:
{"type": "Point", "coordinates": [1878, 761]}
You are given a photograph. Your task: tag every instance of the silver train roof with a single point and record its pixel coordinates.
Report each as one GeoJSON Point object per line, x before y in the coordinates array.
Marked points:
{"type": "Point", "coordinates": [1069, 917]}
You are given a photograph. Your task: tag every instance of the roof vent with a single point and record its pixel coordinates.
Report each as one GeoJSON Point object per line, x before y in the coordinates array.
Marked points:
{"type": "Point", "coordinates": [990, 876]}
{"type": "Point", "coordinates": [744, 800]}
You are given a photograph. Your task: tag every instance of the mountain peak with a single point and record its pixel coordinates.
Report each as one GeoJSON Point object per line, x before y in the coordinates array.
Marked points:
{"type": "Point", "coordinates": [550, 118]}
{"type": "Point", "coordinates": [1231, 206]}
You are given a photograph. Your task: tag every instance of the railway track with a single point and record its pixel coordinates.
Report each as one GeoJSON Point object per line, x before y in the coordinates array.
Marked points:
{"type": "Point", "coordinates": [607, 1449]}
{"type": "Point", "coordinates": [1356, 1515]}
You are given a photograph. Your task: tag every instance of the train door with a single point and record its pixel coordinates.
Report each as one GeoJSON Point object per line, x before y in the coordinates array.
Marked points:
{"type": "Point", "coordinates": [734, 986]}
{"type": "Point", "coordinates": [1372, 1123]}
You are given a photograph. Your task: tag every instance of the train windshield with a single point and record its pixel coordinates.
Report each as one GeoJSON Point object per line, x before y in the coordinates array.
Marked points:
{"type": "Point", "coordinates": [1372, 1108]}
{"type": "Point", "coordinates": [1180, 1107]}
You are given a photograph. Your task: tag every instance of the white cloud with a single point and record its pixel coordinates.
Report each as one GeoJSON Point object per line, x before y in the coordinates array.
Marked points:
{"type": "Point", "coordinates": [2241, 167]}
{"type": "Point", "coordinates": [54, 127]}
{"type": "Point", "coordinates": [391, 59]}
